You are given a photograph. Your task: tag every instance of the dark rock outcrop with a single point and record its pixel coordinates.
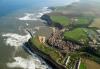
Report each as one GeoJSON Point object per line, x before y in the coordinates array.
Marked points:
{"type": "Point", "coordinates": [47, 18]}
{"type": "Point", "coordinates": [51, 8]}
{"type": "Point", "coordinates": [49, 22]}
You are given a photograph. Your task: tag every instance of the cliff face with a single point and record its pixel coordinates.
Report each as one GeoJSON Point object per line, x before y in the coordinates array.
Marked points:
{"type": "Point", "coordinates": [49, 21]}
{"type": "Point", "coordinates": [47, 18]}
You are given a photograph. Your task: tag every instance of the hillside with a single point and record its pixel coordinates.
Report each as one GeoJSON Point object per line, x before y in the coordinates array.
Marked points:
{"type": "Point", "coordinates": [86, 7]}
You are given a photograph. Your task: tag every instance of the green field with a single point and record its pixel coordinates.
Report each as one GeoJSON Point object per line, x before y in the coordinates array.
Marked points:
{"type": "Point", "coordinates": [83, 20]}
{"type": "Point", "coordinates": [82, 66]}
{"type": "Point", "coordinates": [62, 20]}
{"type": "Point", "coordinates": [78, 35]}
{"type": "Point", "coordinates": [66, 20]}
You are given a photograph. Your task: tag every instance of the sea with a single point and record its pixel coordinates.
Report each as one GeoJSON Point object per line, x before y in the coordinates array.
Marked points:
{"type": "Point", "coordinates": [15, 17]}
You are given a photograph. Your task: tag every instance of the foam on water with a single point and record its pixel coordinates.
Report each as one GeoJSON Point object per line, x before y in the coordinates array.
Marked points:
{"type": "Point", "coordinates": [28, 63]}
{"type": "Point", "coordinates": [28, 16]}
{"type": "Point", "coordinates": [27, 24]}
{"type": "Point", "coordinates": [22, 63]}
{"type": "Point", "coordinates": [14, 39]}
{"type": "Point", "coordinates": [31, 62]}
{"type": "Point", "coordinates": [35, 16]}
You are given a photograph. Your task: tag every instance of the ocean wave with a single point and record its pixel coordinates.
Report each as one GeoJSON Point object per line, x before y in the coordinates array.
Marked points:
{"type": "Point", "coordinates": [28, 16]}
{"type": "Point", "coordinates": [14, 39]}
{"type": "Point", "coordinates": [31, 62]}
{"type": "Point", "coordinates": [27, 24]}
{"type": "Point", "coordinates": [27, 63]}
{"type": "Point", "coordinates": [35, 16]}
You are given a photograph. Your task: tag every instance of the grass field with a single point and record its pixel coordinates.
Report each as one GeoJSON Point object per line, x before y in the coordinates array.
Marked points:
{"type": "Point", "coordinates": [62, 20]}
{"type": "Point", "coordinates": [96, 23]}
{"type": "Point", "coordinates": [88, 64]}
{"type": "Point", "coordinates": [92, 65]}
{"type": "Point", "coordinates": [82, 66]}
{"type": "Point", "coordinates": [77, 35]}
{"type": "Point", "coordinates": [82, 21]}
{"type": "Point", "coordinates": [66, 20]}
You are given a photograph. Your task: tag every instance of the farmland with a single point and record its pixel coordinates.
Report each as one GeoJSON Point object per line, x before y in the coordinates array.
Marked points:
{"type": "Point", "coordinates": [96, 23]}
{"type": "Point", "coordinates": [78, 35]}
{"type": "Point", "coordinates": [62, 20]}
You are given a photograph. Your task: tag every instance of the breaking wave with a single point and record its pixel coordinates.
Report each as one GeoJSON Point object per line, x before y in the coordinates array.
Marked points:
{"type": "Point", "coordinates": [35, 16]}
{"type": "Point", "coordinates": [13, 39]}
{"type": "Point", "coordinates": [28, 63]}
{"type": "Point", "coordinates": [31, 62]}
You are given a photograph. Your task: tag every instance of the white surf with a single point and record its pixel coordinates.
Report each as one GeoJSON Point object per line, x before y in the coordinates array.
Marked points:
{"type": "Point", "coordinates": [31, 62]}
{"type": "Point", "coordinates": [35, 16]}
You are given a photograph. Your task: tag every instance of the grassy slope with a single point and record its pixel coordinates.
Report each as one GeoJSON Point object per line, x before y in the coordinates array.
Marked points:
{"type": "Point", "coordinates": [63, 20]}
{"type": "Point", "coordinates": [82, 66]}
{"type": "Point", "coordinates": [68, 20]}
{"type": "Point", "coordinates": [91, 64]}
{"type": "Point", "coordinates": [76, 35]}
{"type": "Point", "coordinates": [96, 23]}
{"type": "Point", "coordinates": [83, 20]}
{"type": "Point", "coordinates": [54, 54]}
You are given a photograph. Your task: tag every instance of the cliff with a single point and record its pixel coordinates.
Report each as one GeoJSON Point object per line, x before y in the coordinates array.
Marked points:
{"type": "Point", "coordinates": [59, 21]}
{"type": "Point", "coordinates": [47, 19]}
{"type": "Point", "coordinates": [51, 58]}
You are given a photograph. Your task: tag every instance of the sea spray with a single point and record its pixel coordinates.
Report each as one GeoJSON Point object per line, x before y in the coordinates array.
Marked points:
{"type": "Point", "coordinates": [27, 63]}
{"type": "Point", "coordinates": [31, 62]}
{"type": "Point", "coordinates": [16, 40]}
{"type": "Point", "coordinates": [35, 16]}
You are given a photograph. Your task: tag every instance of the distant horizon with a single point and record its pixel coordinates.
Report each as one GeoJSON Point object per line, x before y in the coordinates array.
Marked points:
{"type": "Point", "coordinates": [13, 5]}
